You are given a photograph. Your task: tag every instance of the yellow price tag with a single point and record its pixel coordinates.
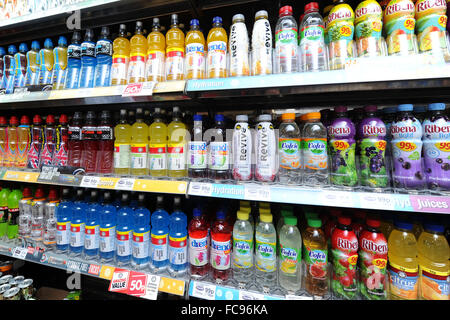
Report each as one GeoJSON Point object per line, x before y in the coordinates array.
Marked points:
{"type": "Point", "coordinates": [381, 145]}
{"type": "Point", "coordinates": [443, 21]}
{"type": "Point", "coordinates": [406, 146]}
{"type": "Point", "coordinates": [353, 259]}
{"type": "Point", "coordinates": [443, 146]}
{"type": "Point", "coordinates": [410, 24]}
{"type": "Point", "coordinates": [380, 263]}
{"type": "Point", "coordinates": [345, 31]}
{"type": "Point", "coordinates": [341, 145]}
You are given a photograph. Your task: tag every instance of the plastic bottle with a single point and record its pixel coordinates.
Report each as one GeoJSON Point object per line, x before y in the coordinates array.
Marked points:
{"type": "Point", "coordinates": [406, 144]}
{"type": "Point", "coordinates": [139, 145]}
{"type": "Point", "coordinates": [219, 151]}
{"type": "Point", "coordinates": [373, 254]}
{"type": "Point", "coordinates": [89, 139]}
{"type": "Point", "coordinates": [92, 228]}
{"type": "Point", "coordinates": [23, 142]}
{"type": "Point", "coordinates": [289, 150]}
{"type": "Point", "coordinates": [4, 193]}
{"type": "Point", "coordinates": [265, 252]}
{"type": "Point", "coordinates": [12, 228]}
{"type": "Point", "coordinates": [49, 147]}
{"type": "Point", "coordinates": [266, 164]}
{"type": "Point", "coordinates": [63, 220]}
{"type": "Point", "coordinates": [105, 154]}
{"type": "Point", "coordinates": [243, 248]}
{"type": "Point", "coordinates": [433, 257]}
{"type": "Point", "coordinates": [50, 228]}
{"type": "Point", "coordinates": [238, 47]}
{"type": "Point", "coordinates": [399, 25]}
{"type": "Point", "coordinates": [120, 57]}
{"type": "Point", "coordinates": [286, 42]}
{"type": "Point", "coordinates": [107, 216]}
{"type": "Point", "coordinates": [12, 142]}
{"type": "Point", "coordinates": [313, 52]}
{"type": "Point", "coordinates": [341, 137]}
{"type": "Point", "coordinates": [290, 255]}
{"type": "Point", "coordinates": [103, 54]}
{"type": "Point", "coordinates": [73, 62]}
{"type": "Point", "coordinates": [37, 141]}
{"type": "Point", "coordinates": [261, 45]}
{"type": "Point", "coordinates": [436, 150]}
{"type": "Point", "coordinates": [316, 259]}
{"type": "Point", "coordinates": [156, 51]}
{"type": "Point", "coordinates": [242, 148]}
{"type": "Point", "coordinates": [124, 231]}
{"type": "Point", "coordinates": [141, 235]}
{"type": "Point", "coordinates": [2, 67]}
{"type": "Point", "coordinates": [220, 256]}
{"type": "Point", "coordinates": [217, 41]}
{"type": "Point", "coordinates": [122, 145]}
{"type": "Point", "coordinates": [3, 141]}
{"type": "Point", "coordinates": [9, 69]}
{"type": "Point", "coordinates": [176, 146]}
{"type": "Point", "coordinates": [197, 157]}
{"type": "Point", "coordinates": [78, 224]}
{"type": "Point", "coordinates": [60, 61]}
{"type": "Point", "coordinates": [75, 145]}
{"type": "Point", "coordinates": [159, 236]}
{"type": "Point", "coordinates": [33, 65]}
{"type": "Point", "coordinates": [195, 52]}
{"type": "Point", "coordinates": [368, 28]}
{"type": "Point", "coordinates": [38, 215]}
{"type": "Point", "coordinates": [138, 55]}
{"type": "Point", "coordinates": [198, 246]}
{"type": "Point", "coordinates": [403, 264]}
{"type": "Point", "coordinates": [178, 259]}
{"type": "Point", "coordinates": [25, 213]}
{"type": "Point", "coordinates": [157, 132]}
{"type": "Point", "coordinates": [358, 222]}
{"type": "Point", "coordinates": [20, 71]}
{"type": "Point", "coordinates": [174, 51]}
{"type": "Point", "coordinates": [88, 60]}
{"type": "Point", "coordinates": [47, 62]}
{"type": "Point", "coordinates": [61, 155]}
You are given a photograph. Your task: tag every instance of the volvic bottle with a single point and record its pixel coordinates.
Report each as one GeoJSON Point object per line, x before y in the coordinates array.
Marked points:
{"type": "Point", "coordinates": [60, 157]}
{"type": "Point", "coordinates": [289, 273]}
{"type": "Point", "coordinates": [37, 215]}
{"type": "Point", "coordinates": [286, 42]}
{"type": "Point", "coordinates": [89, 139]}
{"type": "Point", "coordinates": [122, 145]}
{"type": "Point", "coordinates": [261, 50]}
{"type": "Point", "coordinates": [78, 223]}
{"type": "Point", "coordinates": [21, 66]}
{"type": "Point", "coordinates": [197, 157]}
{"type": "Point", "coordinates": [219, 151]}
{"type": "Point", "coordinates": [313, 53]}
{"type": "Point", "coordinates": [9, 69]}
{"type": "Point", "coordinates": [105, 154]}
{"type": "Point", "coordinates": [12, 142]}
{"type": "Point", "coordinates": [156, 51]}
{"type": "Point", "coordinates": [139, 145]}
{"type": "Point", "coordinates": [176, 146]}
{"type": "Point", "coordinates": [107, 216]}
{"type": "Point", "coordinates": [138, 55]}
{"type": "Point", "coordinates": [436, 151]}
{"type": "Point", "coordinates": [63, 220]}
{"type": "Point", "coordinates": [198, 246]}
{"type": "Point", "coordinates": [220, 257]}
{"type": "Point", "coordinates": [25, 213]}
{"type": "Point", "coordinates": [216, 65]}
{"type": "Point", "coordinates": [23, 142]}
{"type": "Point", "coordinates": [4, 193]}
{"type": "Point", "coordinates": [12, 229]}
{"type": "Point", "coordinates": [124, 231]}
{"type": "Point", "coordinates": [238, 47]}
{"type": "Point", "coordinates": [88, 60]}
{"type": "Point", "coordinates": [265, 252]}
{"type": "Point", "coordinates": [49, 141]}
{"type": "Point", "coordinates": [195, 52]}
{"type": "Point", "coordinates": [33, 64]}
{"type": "Point", "coordinates": [60, 60]}
{"type": "Point", "coordinates": [315, 151]}
{"type": "Point", "coordinates": [120, 58]}
{"type": "Point", "coordinates": [92, 229]}
{"type": "Point", "coordinates": [174, 51]}
{"type": "Point", "coordinates": [50, 226]}
{"type": "Point", "coordinates": [266, 164]}
{"type": "Point", "coordinates": [242, 149]}
{"type": "Point", "coordinates": [75, 145]}
{"type": "Point", "coordinates": [103, 54]}
{"type": "Point", "coordinates": [178, 259]}
{"type": "Point", "coordinates": [157, 132]}
{"type": "Point", "coordinates": [141, 235]}
{"type": "Point", "coordinates": [289, 150]}
{"type": "Point", "coordinates": [73, 62]}
{"type": "Point", "coordinates": [159, 237]}
{"type": "Point", "coordinates": [406, 144]}
{"type": "Point", "coordinates": [243, 248]}
{"type": "Point", "coordinates": [47, 62]}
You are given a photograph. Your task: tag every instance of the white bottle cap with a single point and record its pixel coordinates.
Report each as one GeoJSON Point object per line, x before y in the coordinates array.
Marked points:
{"type": "Point", "coordinates": [265, 117]}
{"type": "Point", "coordinates": [238, 17]}
{"type": "Point", "coordinates": [242, 118]}
{"type": "Point", "coordinates": [261, 13]}
{"type": "Point", "coordinates": [176, 109]}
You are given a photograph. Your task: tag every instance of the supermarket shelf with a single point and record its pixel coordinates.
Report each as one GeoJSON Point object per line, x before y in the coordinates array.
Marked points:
{"type": "Point", "coordinates": [30, 252]}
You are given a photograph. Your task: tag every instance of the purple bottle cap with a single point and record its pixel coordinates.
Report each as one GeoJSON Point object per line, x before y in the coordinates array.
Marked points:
{"type": "Point", "coordinates": [340, 109]}
{"type": "Point", "coordinates": [370, 108]}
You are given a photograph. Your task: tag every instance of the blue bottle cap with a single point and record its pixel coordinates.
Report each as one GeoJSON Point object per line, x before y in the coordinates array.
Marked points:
{"type": "Point", "coordinates": [194, 22]}
{"type": "Point", "coordinates": [219, 117]}
{"type": "Point", "coordinates": [23, 47]}
{"type": "Point", "coordinates": [12, 49]}
{"type": "Point", "coordinates": [2, 51]}
{"type": "Point", "coordinates": [403, 224]}
{"type": "Point", "coordinates": [221, 215]}
{"type": "Point", "coordinates": [62, 41]}
{"type": "Point", "coordinates": [217, 20]}
{"type": "Point", "coordinates": [35, 45]}
{"type": "Point", "coordinates": [436, 106]}
{"type": "Point", "coordinates": [48, 44]}
{"type": "Point", "coordinates": [432, 226]}
{"type": "Point", "coordinates": [197, 212]}
{"type": "Point", "coordinates": [405, 107]}
{"type": "Point", "coordinates": [198, 117]}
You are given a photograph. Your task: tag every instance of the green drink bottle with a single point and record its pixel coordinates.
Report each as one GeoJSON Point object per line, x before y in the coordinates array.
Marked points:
{"type": "Point", "coordinates": [3, 211]}
{"type": "Point", "coordinates": [13, 213]}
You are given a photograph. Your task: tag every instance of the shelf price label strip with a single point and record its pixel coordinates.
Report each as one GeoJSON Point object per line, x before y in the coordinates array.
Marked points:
{"type": "Point", "coordinates": [21, 176]}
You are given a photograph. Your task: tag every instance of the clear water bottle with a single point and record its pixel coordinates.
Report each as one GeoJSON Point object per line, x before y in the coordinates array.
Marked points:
{"type": "Point", "coordinates": [315, 158]}
{"type": "Point", "coordinates": [313, 54]}
{"type": "Point", "coordinates": [286, 42]}
{"type": "Point", "coordinates": [242, 248]}
{"type": "Point", "coordinates": [289, 150]}
{"type": "Point", "coordinates": [265, 252]}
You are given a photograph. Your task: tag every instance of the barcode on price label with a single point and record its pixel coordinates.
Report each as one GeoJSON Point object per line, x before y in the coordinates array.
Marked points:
{"type": "Point", "coordinates": [151, 289]}
{"type": "Point", "coordinates": [19, 253]}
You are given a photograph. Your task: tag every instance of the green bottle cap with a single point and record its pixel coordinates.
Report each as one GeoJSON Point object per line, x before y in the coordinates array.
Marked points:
{"type": "Point", "coordinates": [290, 220]}
{"type": "Point", "coordinates": [315, 223]}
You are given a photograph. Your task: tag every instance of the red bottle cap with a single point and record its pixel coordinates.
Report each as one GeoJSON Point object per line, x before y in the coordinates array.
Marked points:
{"type": "Point", "coordinates": [24, 120]}
{"type": "Point", "coordinates": [312, 6]}
{"type": "Point", "coordinates": [346, 221]}
{"type": "Point", "coordinates": [53, 195]}
{"type": "Point", "coordinates": [285, 11]}
{"type": "Point", "coordinates": [372, 222]}
{"type": "Point", "coordinates": [2, 121]}
{"type": "Point", "coordinates": [50, 119]}
{"type": "Point", "coordinates": [63, 119]}
{"type": "Point", "coordinates": [37, 119]}
{"type": "Point", "coordinates": [39, 193]}
{"type": "Point", "coordinates": [13, 121]}
{"type": "Point", "coordinates": [26, 192]}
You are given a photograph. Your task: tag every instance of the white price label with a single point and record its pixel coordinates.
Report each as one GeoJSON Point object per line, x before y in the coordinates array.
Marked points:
{"type": "Point", "coordinates": [125, 184]}
{"type": "Point", "coordinates": [257, 192]}
{"type": "Point", "coordinates": [139, 89]}
{"type": "Point", "coordinates": [247, 295]}
{"type": "Point", "coordinates": [47, 173]}
{"type": "Point", "coordinates": [294, 297]}
{"type": "Point", "coordinates": [204, 290]}
{"type": "Point", "coordinates": [376, 201]}
{"type": "Point", "coordinates": [152, 287]}
{"type": "Point", "coordinates": [89, 182]}
{"type": "Point", "coordinates": [337, 198]}
{"type": "Point", "coordinates": [19, 253]}
{"type": "Point", "coordinates": [119, 281]}
{"type": "Point", "coordinates": [200, 189]}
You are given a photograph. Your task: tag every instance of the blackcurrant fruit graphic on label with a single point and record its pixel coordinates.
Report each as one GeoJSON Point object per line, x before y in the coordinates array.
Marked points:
{"type": "Point", "coordinates": [418, 175]}
{"type": "Point", "coordinates": [400, 159]}
{"type": "Point", "coordinates": [439, 160]}
{"type": "Point", "coordinates": [445, 166]}
{"type": "Point", "coordinates": [428, 170]}
{"type": "Point", "coordinates": [406, 165]}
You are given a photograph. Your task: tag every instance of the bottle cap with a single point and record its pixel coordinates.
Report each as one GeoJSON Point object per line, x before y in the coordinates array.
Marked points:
{"type": "Point", "coordinates": [90, 117]}
{"type": "Point", "coordinates": [261, 13]}
{"type": "Point", "coordinates": [123, 27]}
{"type": "Point", "coordinates": [12, 49]}
{"type": "Point", "coordinates": [176, 109]}
{"type": "Point", "coordinates": [312, 6]}
{"type": "Point", "coordinates": [80, 194]}
{"type": "Point", "coordinates": [403, 224]}
{"type": "Point", "coordinates": [436, 106]}
{"type": "Point", "coordinates": [37, 119]}
{"type": "Point", "coordinates": [23, 48]}
{"type": "Point", "coordinates": [340, 109]}
{"type": "Point", "coordinates": [220, 215]}
{"type": "Point", "coordinates": [290, 220]}
{"type": "Point", "coordinates": [315, 223]}
{"type": "Point", "coordinates": [420, 109]}
{"type": "Point", "coordinates": [197, 212]}
{"type": "Point", "coordinates": [370, 108]}
{"type": "Point", "coordinates": [50, 119]}
{"type": "Point", "coordinates": [139, 24]}
{"type": "Point", "coordinates": [174, 18]}
{"type": "Point", "coordinates": [265, 117]}
{"type": "Point", "coordinates": [2, 120]}
{"type": "Point", "coordinates": [219, 117]}
{"type": "Point", "coordinates": [288, 116]}
{"type": "Point", "coordinates": [373, 222]}
{"type": "Point", "coordinates": [105, 32]}
{"type": "Point", "coordinates": [405, 107]}
{"type": "Point", "coordinates": [65, 193]}
{"type": "Point", "coordinates": [39, 193]}
{"type": "Point", "coordinates": [311, 215]}
{"type": "Point", "coordinates": [285, 11]}
{"type": "Point", "coordinates": [241, 118]}
{"type": "Point", "coordinates": [194, 22]}
{"type": "Point", "coordinates": [52, 195]}
{"type": "Point", "coordinates": [198, 117]}
{"type": "Point", "coordinates": [107, 198]}
{"type": "Point", "coordinates": [245, 209]}
{"type": "Point", "coordinates": [286, 212]}
{"type": "Point", "coordinates": [346, 221]}
{"type": "Point", "coordinates": [63, 119]}
{"type": "Point", "coordinates": [62, 41]}
{"type": "Point", "coordinates": [265, 205]}
{"type": "Point", "coordinates": [48, 43]}
{"type": "Point", "coordinates": [266, 217]}
{"type": "Point", "coordinates": [431, 226]}
{"type": "Point", "coordinates": [237, 17]}
{"type": "Point", "coordinates": [26, 192]}
{"type": "Point", "coordinates": [13, 121]}
{"type": "Point", "coordinates": [242, 215]}
{"type": "Point", "coordinates": [312, 116]}
{"type": "Point", "coordinates": [217, 20]}
{"type": "Point", "coordinates": [24, 120]}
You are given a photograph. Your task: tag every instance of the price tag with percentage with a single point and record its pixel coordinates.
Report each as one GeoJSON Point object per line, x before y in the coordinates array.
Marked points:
{"type": "Point", "coordinates": [19, 253]}
{"type": "Point", "coordinates": [257, 192]}
{"type": "Point", "coordinates": [204, 290]}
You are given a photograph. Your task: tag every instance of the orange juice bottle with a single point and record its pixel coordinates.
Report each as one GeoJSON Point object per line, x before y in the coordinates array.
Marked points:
{"type": "Point", "coordinates": [138, 55]}
{"type": "Point", "coordinates": [174, 51]}
{"type": "Point", "coordinates": [121, 57]}
{"type": "Point", "coordinates": [217, 50]}
{"type": "Point", "coordinates": [12, 142]}
{"type": "Point", "coordinates": [156, 50]}
{"type": "Point", "coordinates": [195, 52]}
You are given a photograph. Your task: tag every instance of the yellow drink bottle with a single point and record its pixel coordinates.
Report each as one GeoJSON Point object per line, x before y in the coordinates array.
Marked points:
{"type": "Point", "coordinates": [176, 146]}
{"type": "Point", "coordinates": [59, 64]}
{"type": "Point", "coordinates": [217, 41]}
{"type": "Point", "coordinates": [156, 51]}
{"type": "Point", "coordinates": [46, 58]}
{"type": "Point", "coordinates": [12, 142]}
{"type": "Point", "coordinates": [139, 145]}
{"type": "Point", "coordinates": [121, 57]}
{"type": "Point", "coordinates": [195, 52]}
{"type": "Point", "coordinates": [3, 141]}
{"type": "Point", "coordinates": [122, 145]}
{"type": "Point", "coordinates": [23, 142]}
{"type": "Point", "coordinates": [434, 266]}
{"type": "Point", "coordinates": [138, 55]}
{"type": "Point", "coordinates": [174, 51]}
{"type": "Point", "coordinates": [403, 266]}
{"type": "Point", "coordinates": [157, 132]}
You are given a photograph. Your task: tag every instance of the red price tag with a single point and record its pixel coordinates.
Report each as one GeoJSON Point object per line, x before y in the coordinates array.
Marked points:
{"type": "Point", "coordinates": [137, 284]}
{"type": "Point", "coordinates": [119, 281]}
{"type": "Point", "coordinates": [132, 89]}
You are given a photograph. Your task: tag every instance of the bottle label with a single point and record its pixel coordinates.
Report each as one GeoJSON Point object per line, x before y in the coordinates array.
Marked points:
{"type": "Point", "coordinates": [217, 57]}
{"type": "Point", "coordinates": [368, 20]}
{"type": "Point", "coordinates": [74, 133]}
{"type": "Point", "coordinates": [243, 253]}
{"type": "Point", "coordinates": [105, 133]}
{"type": "Point", "coordinates": [315, 154]}
{"type": "Point", "coordinates": [311, 42]}
{"type": "Point", "coordinates": [159, 247]}
{"type": "Point", "coordinates": [123, 239]}
{"type": "Point", "coordinates": [136, 68]}
{"type": "Point", "coordinates": [88, 49]}
{"type": "Point", "coordinates": [239, 64]}
{"type": "Point", "coordinates": [434, 285]}
{"type": "Point", "coordinates": [155, 65]}
{"type": "Point", "coordinates": [63, 233]}
{"type": "Point", "coordinates": [157, 155]}
{"type": "Point", "coordinates": [372, 163]}
{"type": "Point", "coordinates": [219, 155]}
{"type": "Point", "coordinates": [119, 68]}
{"type": "Point", "coordinates": [197, 151]}
{"type": "Point", "coordinates": [286, 46]}
{"type": "Point", "coordinates": [175, 62]}
{"type": "Point", "coordinates": [343, 167]}
{"type": "Point", "coordinates": [138, 156]}
{"type": "Point", "coordinates": [91, 237]}
{"type": "Point", "coordinates": [77, 235]}
{"type": "Point", "coordinates": [399, 26]}
{"type": "Point", "coordinates": [88, 133]}
{"type": "Point", "coordinates": [195, 60]}
{"type": "Point", "coordinates": [122, 154]}
{"type": "Point", "coordinates": [316, 261]}
{"type": "Point", "coordinates": [289, 151]}
{"type": "Point", "coordinates": [403, 282]}
{"type": "Point", "coordinates": [289, 258]}
{"type": "Point", "coordinates": [141, 244]}
{"type": "Point", "coordinates": [74, 51]}
{"type": "Point", "coordinates": [104, 47]}
{"type": "Point", "coordinates": [176, 157]}
{"type": "Point", "coordinates": [265, 256]}
{"type": "Point", "coordinates": [107, 239]}
{"type": "Point", "coordinates": [242, 152]}
{"type": "Point", "coordinates": [220, 254]}
{"type": "Point", "coordinates": [178, 250]}
{"type": "Point", "coordinates": [265, 150]}
{"type": "Point", "coordinates": [198, 251]}
{"type": "Point", "coordinates": [261, 48]}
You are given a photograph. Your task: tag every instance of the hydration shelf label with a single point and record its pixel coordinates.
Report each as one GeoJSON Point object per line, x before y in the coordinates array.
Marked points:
{"type": "Point", "coordinates": [22, 176]}
{"type": "Point", "coordinates": [202, 290]}
{"type": "Point", "coordinates": [216, 190]}
{"type": "Point", "coordinates": [257, 192]}
{"type": "Point", "coordinates": [139, 89]}
{"type": "Point", "coordinates": [210, 291]}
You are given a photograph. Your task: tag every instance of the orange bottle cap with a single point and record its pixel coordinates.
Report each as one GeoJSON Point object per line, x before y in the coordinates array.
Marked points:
{"type": "Point", "coordinates": [312, 116]}
{"type": "Point", "coordinates": [288, 116]}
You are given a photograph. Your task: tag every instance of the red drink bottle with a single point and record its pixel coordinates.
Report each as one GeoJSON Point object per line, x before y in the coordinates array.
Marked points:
{"type": "Point", "coordinates": [198, 245]}
{"type": "Point", "coordinates": [105, 134]}
{"type": "Point", "coordinates": [90, 143]}
{"type": "Point", "coordinates": [75, 144]}
{"type": "Point", "coordinates": [221, 247]}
